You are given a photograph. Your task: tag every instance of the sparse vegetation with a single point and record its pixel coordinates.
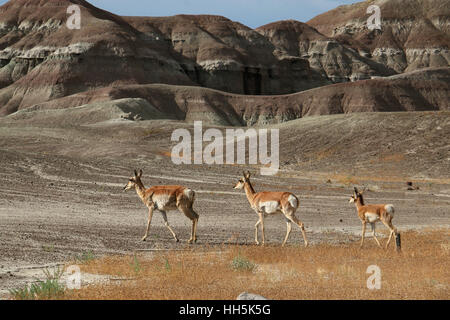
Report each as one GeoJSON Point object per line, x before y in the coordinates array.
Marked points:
{"type": "Point", "coordinates": [347, 180]}
{"type": "Point", "coordinates": [48, 248]}
{"type": "Point", "coordinates": [241, 263]}
{"type": "Point", "coordinates": [167, 266]}
{"type": "Point", "coordinates": [325, 153]}
{"type": "Point", "coordinates": [324, 271]}
{"type": "Point", "coordinates": [48, 289]}
{"type": "Point", "coordinates": [396, 157]}
{"type": "Point", "coordinates": [136, 265]}
{"type": "Point", "coordinates": [85, 256]}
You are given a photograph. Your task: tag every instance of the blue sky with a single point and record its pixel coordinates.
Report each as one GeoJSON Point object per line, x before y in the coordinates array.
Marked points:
{"type": "Point", "coordinates": [252, 13]}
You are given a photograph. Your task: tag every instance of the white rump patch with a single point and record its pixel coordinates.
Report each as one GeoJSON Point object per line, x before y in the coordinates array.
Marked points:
{"type": "Point", "coordinates": [371, 217]}
{"type": "Point", "coordinates": [189, 194]}
{"type": "Point", "coordinates": [270, 207]}
{"type": "Point", "coordinates": [293, 201]}
{"type": "Point", "coordinates": [389, 209]}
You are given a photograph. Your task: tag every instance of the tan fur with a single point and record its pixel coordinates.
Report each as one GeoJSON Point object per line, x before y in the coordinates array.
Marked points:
{"type": "Point", "coordinates": [269, 203]}
{"type": "Point", "coordinates": [163, 198]}
{"type": "Point", "coordinates": [372, 213]}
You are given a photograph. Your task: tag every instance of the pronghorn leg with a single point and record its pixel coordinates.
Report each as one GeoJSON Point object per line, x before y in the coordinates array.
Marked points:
{"type": "Point", "coordinates": [374, 235]}
{"type": "Point", "coordinates": [300, 224]}
{"type": "Point", "coordinates": [392, 229]}
{"type": "Point", "coordinates": [194, 228]}
{"type": "Point", "coordinates": [166, 222]}
{"type": "Point", "coordinates": [288, 231]}
{"type": "Point", "coordinates": [389, 240]}
{"type": "Point", "coordinates": [263, 232]}
{"type": "Point", "coordinates": [256, 231]}
{"type": "Point", "coordinates": [193, 216]}
{"type": "Point", "coordinates": [363, 233]}
{"type": "Point", "coordinates": [150, 215]}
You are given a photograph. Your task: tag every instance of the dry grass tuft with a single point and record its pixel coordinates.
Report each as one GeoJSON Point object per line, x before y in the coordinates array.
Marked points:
{"type": "Point", "coordinates": [345, 179]}
{"type": "Point", "coordinates": [324, 271]}
{"type": "Point", "coordinates": [325, 153]}
{"type": "Point", "coordinates": [397, 157]}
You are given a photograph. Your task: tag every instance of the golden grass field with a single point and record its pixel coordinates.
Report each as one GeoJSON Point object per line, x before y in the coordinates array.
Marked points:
{"type": "Point", "coordinates": [323, 271]}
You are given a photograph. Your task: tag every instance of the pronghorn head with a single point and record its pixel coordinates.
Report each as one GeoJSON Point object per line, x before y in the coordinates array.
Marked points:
{"type": "Point", "coordinates": [246, 178]}
{"type": "Point", "coordinates": [356, 194]}
{"type": "Point", "coordinates": [134, 180]}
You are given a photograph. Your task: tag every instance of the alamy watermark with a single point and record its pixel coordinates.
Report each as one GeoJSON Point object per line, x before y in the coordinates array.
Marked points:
{"type": "Point", "coordinates": [228, 148]}
{"type": "Point", "coordinates": [73, 280]}
{"type": "Point", "coordinates": [374, 281]}
{"type": "Point", "coordinates": [74, 20]}
{"type": "Point", "coordinates": [374, 21]}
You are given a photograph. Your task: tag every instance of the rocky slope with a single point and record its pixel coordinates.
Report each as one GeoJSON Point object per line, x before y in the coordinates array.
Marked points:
{"type": "Point", "coordinates": [414, 33]}
{"type": "Point", "coordinates": [326, 55]}
{"type": "Point", "coordinates": [218, 53]}
{"type": "Point", "coordinates": [425, 90]}
{"type": "Point", "coordinates": [372, 145]}
{"type": "Point", "coordinates": [42, 61]}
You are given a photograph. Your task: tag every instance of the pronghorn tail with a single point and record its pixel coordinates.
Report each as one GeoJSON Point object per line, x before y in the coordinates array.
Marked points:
{"type": "Point", "coordinates": [390, 209]}
{"type": "Point", "coordinates": [293, 200]}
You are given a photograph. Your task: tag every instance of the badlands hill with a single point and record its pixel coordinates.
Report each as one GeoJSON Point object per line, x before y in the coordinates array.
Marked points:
{"type": "Point", "coordinates": [424, 90]}
{"type": "Point", "coordinates": [326, 56]}
{"type": "Point", "coordinates": [205, 66]}
{"type": "Point", "coordinates": [414, 33]}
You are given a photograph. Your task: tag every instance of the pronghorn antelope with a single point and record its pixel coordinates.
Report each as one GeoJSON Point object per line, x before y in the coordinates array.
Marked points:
{"type": "Point", "coordinates": [269, 203]}
{"type": "Point", "coordinates": [163, 198]}
{"type": "Point", "coordinates": [372, 213]}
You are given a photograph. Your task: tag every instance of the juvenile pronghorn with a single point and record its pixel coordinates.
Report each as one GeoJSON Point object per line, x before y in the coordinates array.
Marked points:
{"type": "Point", "coordinates": [269, 203]}
{"type": "Point", "coordinates": [372, 213]}
{"type": "Point", "coordinates": [164, 198]}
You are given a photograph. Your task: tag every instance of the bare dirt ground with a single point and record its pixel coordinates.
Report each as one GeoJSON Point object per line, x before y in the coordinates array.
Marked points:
{"type": "Point", "coordinates": [61, 196]}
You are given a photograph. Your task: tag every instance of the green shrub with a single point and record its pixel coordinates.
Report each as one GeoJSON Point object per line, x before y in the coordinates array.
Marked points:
{"type": "Point", "coordinates": [85, 257]}
{"type": "Point", "coordinates": [50, 288]}
{"type": "Point", "coordinates": [136, 265]}
{"type": "Point", "coordinates": [241, 263]}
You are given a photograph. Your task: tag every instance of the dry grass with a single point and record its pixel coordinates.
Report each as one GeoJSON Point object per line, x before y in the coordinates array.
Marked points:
{"type": "Point", "coordinates": [171, 155]}
{"type": "Point", "coordinates": [383, 175]}
{"type": "Point", "coordinates": [344, 179]}
{"type": "Point", "coordinates": [325, 153]}
{"type": "Point", "coordinates": [397, 157]}
{"type": "Point", "coordinates": [349, 179]}
{"type": "Point", "coordinates": [323, 271]}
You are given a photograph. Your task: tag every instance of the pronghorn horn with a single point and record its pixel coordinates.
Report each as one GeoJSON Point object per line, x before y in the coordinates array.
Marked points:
{"type": "Point", "coordinates": [140, 173]}
{"type": "Point", "coordinates": [356, 190]}
{"type": "Point", "coordinates": [135, 173]}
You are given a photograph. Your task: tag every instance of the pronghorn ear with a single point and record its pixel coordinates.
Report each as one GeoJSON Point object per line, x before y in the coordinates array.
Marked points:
{"type": "Point", "coordinates": [356, 190]}
{"type": "Point", "coordinates": [140, 173]}
{"type": "Point", "coordinates": [248, 174]}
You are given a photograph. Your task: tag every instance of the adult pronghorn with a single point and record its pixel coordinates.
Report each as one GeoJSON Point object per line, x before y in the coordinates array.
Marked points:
{"type": "Point", "coordinates": [269, 203]}
{"type": "Point", "coordinates": [372, 213]}
{"type": "Point", "coordinates": [163, 198]}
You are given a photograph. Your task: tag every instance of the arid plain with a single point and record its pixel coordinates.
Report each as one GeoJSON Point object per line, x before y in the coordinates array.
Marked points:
{"type": "Point", "coordinates": [61, 187]}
